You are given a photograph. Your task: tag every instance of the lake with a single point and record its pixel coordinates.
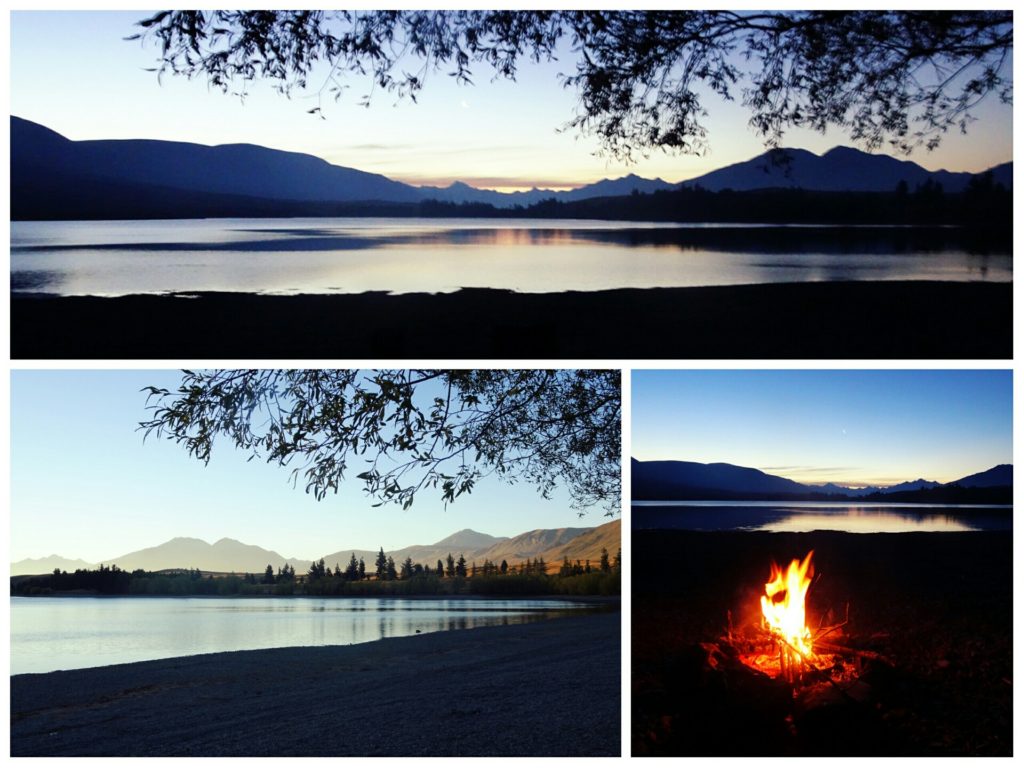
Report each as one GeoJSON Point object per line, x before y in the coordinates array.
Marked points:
{"type": "Point", "coordinates": [350, 255]}
{"type": "Point", "coordinates": [73, 632]}
{"type": "Point", "coordinates": [818, 516]}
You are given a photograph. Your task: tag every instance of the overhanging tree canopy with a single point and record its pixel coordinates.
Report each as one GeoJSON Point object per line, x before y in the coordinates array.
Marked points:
{"type": "Point", "coordinates": [641, 77]}
{"type": "Point", "coordinates": [401, 431]}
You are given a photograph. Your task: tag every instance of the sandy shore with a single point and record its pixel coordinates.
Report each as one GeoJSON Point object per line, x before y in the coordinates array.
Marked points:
{"type": "Point", "coordinates": [939, 605]}
{"type": "Point", "coordinates": [799, 320]}
{"type": "Point", "coordinates": [546, 688]}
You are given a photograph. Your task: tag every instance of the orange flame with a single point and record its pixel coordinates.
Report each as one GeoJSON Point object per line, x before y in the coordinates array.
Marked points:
{"type": "Point", "coordinates": [783, 603]}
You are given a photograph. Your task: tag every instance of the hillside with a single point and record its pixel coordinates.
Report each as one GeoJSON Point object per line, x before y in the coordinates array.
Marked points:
{"type": "Point", "coordinates": [688, 480]}
{"type": "Point", "coordinates": [588, 545]}
{"type": "Point", "coordinates": [231, 556]}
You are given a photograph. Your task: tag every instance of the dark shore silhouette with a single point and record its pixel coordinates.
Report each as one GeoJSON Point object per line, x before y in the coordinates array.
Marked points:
{"type": "Point", "coordinates": [828, 320]}
{"type": "Point", "coordinates": [549, 688]}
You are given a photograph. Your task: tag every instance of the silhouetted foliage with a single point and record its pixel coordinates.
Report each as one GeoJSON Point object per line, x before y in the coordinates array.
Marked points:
{"type": "Point", "coordinates": [407, 569]}
{"type": "Point", "coordinates": [552, 428]}
{"type": "Point", "coordinates": [641, 77]}
{"type": "Point", "coordinates": [352, 570]}
{"type": "Point", "coordinates": [530, 577]}
{"type": "Point", "coordinates": [317, 570]}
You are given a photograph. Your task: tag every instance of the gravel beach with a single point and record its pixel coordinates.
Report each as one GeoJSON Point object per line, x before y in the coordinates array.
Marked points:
{"type": "Point", "coordinates": [902, 320]}
{"type": "Point", "coordinates": [547, 688]}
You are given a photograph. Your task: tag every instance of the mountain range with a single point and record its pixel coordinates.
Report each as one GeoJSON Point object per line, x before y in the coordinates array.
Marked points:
{"type": "Point", "coordinates": [841, 169]}
{"type": "Point", "coordinates": [231, 556]}
{"type": "Point", "coordinates": [689, 480]}
{"type": "Point", "coordinates": [55, 177]}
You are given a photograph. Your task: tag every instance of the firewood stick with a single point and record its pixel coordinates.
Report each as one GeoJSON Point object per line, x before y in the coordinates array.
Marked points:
{"type": "Point", "coordinates": [814, 669]}
{"type": "Point", "coordinates": [842, 649]}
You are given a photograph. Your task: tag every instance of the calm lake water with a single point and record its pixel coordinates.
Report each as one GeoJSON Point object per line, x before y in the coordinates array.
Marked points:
{"type": "Point", "coordinates": [74, 632]}
{"type": "Point", "coordinates": [289, 256]}
{"type": "Point", "coordinates": [818, 516]}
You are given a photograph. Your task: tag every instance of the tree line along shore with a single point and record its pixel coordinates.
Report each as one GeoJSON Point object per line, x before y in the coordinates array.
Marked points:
{"type": "Point", "coordinates": [448, 577]}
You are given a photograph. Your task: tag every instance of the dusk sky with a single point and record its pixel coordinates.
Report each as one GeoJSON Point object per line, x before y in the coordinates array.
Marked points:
{"type": "Point", "coordinates": [83, 485]}
{"type": "Point", "coordinates": [74, 73]}
{"type": "Point", "coordinates": [849, 427]}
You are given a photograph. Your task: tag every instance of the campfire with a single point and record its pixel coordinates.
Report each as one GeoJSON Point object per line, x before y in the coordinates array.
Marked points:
{"type": "Point", "coordinates": [782, 643]}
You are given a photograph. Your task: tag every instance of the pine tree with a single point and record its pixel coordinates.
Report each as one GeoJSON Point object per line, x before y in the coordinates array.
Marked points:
{"type": "Point", "coordinates": [440, 569]}
{"type": "Point", "coordinates": [392, 574]}
{"type": "Point", "coordinates": [451, 566]}
{"type": "Point", "coordinates": [352, 571]}
{"type": "Point", "coordinates": [362, 569]}
{"type": "Point", "coordinates": [382, 565]}
{"type": "Point", "coordinates": [606, 566]}
{"type": "Point", "coordinates": [460, 567]}
{"type": "Point", "coordinates": [504, 567]}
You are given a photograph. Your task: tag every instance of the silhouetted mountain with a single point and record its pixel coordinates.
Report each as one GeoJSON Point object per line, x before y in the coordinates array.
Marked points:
{"type": "Point", "coordinates": [1000, 475]}
{"type": "Point", "coordinates": [53, 177]}
{"type": "Point", "coordinates": [117, 168]}
{"type": "Point", "coordinates": [691, 480]}
{"type": "Point", "coordinates": [842, 169]}
{"type": "Point", "coordinates": [225, 555]}
{"type": "Point", "coordinates": [459, 192]}
{"type": "Point", "coordinates": [38, 565]}
{"type": "Point", "coordinates": [842, 490]}
{"type": "Point", "coordinates": [912, 485]}
{"type": "Point", "coordinates": [229, 555]}
{"type": "Point", "coordinates": [626, 185]}
{"type": "Point", "coordinates": [230, 169]}
{"type": "Point", "coordinates": [686, 480]}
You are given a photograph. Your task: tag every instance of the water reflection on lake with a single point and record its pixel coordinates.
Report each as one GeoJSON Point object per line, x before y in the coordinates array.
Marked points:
{"type": "Point", "coordinates": [73, 632]}
{"type": "Point", "coordinates": [289, 256]}
{"type": "Point", "coordinates": [819, 516]}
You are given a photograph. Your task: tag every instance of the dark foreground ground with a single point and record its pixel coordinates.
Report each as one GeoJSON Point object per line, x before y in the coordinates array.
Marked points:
{"type": "Point", "coordinates": [938, 605]}
{"type": "Point", "coordinates": [547, 688]}
{"type": "Point", "coordinates": [807, 320]}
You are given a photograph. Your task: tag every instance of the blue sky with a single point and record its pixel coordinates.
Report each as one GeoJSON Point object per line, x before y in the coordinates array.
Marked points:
{"type": "Point", "coordinates": [852, 427]}
{"type": "Point", "coordinates": [74, 72]}
{"type": "Point", "coordinates": [83, 485]}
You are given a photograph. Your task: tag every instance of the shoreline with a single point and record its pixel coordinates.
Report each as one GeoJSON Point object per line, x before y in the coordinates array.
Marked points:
{"type": "Point", "coordinates": [825, 320]}
{"type": "Point", "coordinates": [487, 691]}
{"type": "Point", "coordinates": [596, 600]}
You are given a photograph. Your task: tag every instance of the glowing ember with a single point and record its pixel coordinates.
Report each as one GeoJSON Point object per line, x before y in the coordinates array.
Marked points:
{"type": "Point", "coordinates": [783, 603]}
